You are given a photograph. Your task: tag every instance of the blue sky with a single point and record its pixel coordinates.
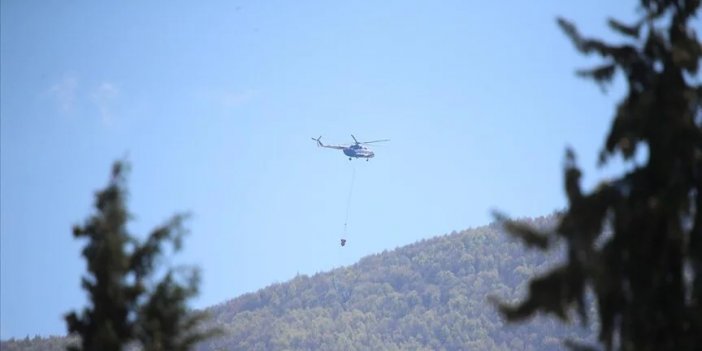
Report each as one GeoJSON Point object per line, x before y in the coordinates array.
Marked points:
{"type": "Point", "coordinates": [214, 106]}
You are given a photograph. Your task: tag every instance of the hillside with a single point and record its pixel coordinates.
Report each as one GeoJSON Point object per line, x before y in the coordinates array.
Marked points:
{"type": "Point", "coordinates": [431, 295]}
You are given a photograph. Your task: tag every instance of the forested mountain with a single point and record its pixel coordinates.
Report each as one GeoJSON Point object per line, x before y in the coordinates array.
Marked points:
{"type": "Point", "coordinates": [431, 295]}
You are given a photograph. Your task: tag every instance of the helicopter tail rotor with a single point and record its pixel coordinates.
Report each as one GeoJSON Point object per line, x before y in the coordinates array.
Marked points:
{"type": "Point", "coordinates": [319, 143]}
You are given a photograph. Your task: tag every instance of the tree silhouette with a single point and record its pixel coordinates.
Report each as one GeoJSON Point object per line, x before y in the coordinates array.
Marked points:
{"type": "Point", "coordinates": [124, 309]}
{"type": "Point", "coordinates": [636, 241]}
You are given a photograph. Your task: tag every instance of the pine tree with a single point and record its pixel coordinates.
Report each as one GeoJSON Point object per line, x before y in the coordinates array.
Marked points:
{"type": "Point", "coordinates": [636, 241]}
{"type": "Point", "coordinates": [123, 309]}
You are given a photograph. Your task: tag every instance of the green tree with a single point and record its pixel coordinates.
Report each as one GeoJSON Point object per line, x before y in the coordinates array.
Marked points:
{"type": "Point", "coordinates": [636, 240]}
{"type": "Point", "coordinates": [127, 304]}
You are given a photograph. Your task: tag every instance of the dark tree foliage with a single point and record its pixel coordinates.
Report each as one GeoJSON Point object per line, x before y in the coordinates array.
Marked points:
{"type": "Point", "coordinates": [124, 309]}
{"type": "Point", "coordinates": [636, 241]}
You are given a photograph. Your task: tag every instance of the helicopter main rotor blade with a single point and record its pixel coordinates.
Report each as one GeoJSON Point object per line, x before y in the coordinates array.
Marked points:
{"type": "Point", "coordinates": [374, 141]}
{"type": "Point", "coordinates": [354, 139]}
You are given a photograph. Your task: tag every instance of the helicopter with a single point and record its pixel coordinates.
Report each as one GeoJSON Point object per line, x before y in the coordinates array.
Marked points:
{"type": "Point", "coordinates": [356, 150]}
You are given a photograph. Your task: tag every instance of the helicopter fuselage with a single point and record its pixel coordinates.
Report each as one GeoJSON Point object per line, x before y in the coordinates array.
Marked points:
{"type": "Point", "coordinates": [358, 151]}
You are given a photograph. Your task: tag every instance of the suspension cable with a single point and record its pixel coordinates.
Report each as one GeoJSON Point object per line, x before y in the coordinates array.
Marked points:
{"type": "Point", "coordinates": [348, 200]}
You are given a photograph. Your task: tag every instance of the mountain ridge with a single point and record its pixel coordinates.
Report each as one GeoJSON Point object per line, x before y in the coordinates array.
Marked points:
{"type": "Point", "coordinates": [428, 295]}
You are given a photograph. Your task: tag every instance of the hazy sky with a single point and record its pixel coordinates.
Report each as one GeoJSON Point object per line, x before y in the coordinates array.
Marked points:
{"type": "Point", "coordinates": [214, 105]}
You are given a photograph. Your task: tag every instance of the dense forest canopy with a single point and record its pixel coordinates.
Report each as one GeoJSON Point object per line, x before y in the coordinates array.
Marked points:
{"type": "Point", "coordinates": [430, 295]}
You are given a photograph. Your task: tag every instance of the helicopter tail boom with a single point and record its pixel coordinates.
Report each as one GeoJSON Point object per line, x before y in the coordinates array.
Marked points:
{"type": "Point", "coordinates": [319, 143]}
